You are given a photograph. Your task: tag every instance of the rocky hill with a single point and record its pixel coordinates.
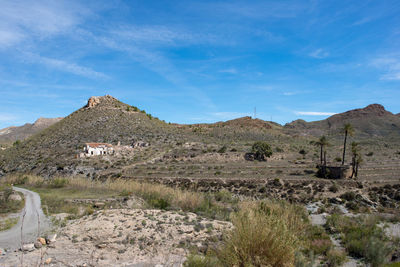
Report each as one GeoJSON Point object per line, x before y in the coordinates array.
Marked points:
{"type": "Point", "coordinates": [370, 121]}
{"type": "Point", "coordinates": [55, 150]}
{"type": "Point", "coordinates": [103, 119]}
{"type": "Point", "coordinates": [14, 133]}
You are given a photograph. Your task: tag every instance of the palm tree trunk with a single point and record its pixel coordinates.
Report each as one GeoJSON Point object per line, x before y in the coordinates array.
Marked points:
{"type": "Point", "coordinates": [353, 166]}
{"type": "Point", "coordinates": [356, 169]}
{"type": "Point", "coordinates": [344, 147]}
{"type": "Point", "coordinates": [321, 154]}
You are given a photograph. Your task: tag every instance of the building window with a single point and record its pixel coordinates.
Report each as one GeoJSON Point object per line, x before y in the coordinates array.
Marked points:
{"type": "Point", "coordinates": [92, 152]}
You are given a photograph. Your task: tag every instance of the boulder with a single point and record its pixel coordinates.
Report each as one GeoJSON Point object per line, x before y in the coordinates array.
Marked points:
{"type": "Point", "coordinates": [38, 245]}
{"type": "Point", "coordinates": [99, 205]}
{"type": "Point", "coordinates": [14, 197]}
{"type": "Point", "coordinates": [28, 247]}
{"type": "Point", "coordinates": [51, 238]}
{"type": "Point", "coordinates": [42, 240]}
{"type": "Point", "coordinates": [48, 261]}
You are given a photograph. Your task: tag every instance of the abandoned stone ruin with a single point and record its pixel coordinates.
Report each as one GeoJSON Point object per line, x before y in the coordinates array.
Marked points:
{"type": "Point", "coordinates": [334, 172]}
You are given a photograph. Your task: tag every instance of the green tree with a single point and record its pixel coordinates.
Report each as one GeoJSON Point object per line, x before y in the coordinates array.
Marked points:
{"type": "Point", "coordinates": [347, 130]}
{"type": "Point", "coordinates": [261, 150]}
{"type": "Point", "coordinates": [356, 158]}
{"type": "Point", "coordinates": [322, 143]}
{"type": "Point", "coordinates": [303, 152]}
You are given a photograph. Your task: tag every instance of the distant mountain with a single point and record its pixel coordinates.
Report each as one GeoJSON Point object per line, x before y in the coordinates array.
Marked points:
{"type": "Point", "coordinates": [243, 122]}
{"type": "Point", "coordinates": [372, 120]}
{"type": "Point", "coordinates": [13, 133]}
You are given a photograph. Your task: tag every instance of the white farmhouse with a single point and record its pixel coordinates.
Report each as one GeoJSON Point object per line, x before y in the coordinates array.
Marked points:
{"type": "Point", "coordinates": [97, 149]}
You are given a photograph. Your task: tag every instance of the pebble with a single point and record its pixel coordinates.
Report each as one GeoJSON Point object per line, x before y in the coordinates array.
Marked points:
{"type": "Point", "coordinates": [38, 244]}
{"type": "Point", "coordinates": [48, 261]}
{"type": "Point", "coordinates": [42, 240]}
{"type": "Point", "coordinates": [28, 247]}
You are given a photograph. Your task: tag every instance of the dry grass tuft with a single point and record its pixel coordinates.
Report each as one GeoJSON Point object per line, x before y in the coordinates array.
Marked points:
{"type": "Point", "coordinates": [265, 234]}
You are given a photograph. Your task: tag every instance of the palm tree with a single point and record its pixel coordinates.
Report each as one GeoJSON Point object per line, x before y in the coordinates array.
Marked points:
{"type": "Point", "coordinates": [356, 158]}
{"type": "Point", "coordinates": [322, 142]}
{"type": "Point", "coordinates": [348, 130]}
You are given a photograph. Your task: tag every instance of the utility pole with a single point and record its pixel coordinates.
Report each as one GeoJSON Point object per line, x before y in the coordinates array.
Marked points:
{"type": "Point", "coordinates": [255, 112]}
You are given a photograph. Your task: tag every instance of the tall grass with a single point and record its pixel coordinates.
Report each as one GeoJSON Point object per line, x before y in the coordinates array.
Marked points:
{"type": "Point", "coordinates": [156, 195]}
{"type": "Point", "coordinates": [264, 234]}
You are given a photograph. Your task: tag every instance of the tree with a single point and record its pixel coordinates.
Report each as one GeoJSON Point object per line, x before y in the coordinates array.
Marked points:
{"type": "Point", "coordinates": [322, 143]}
{"type": "Point", "coordinates": [348, 130]}
{"type": "Point", "coordinates": [303, 152]}
{"type": "Point", "coordinates": [261, 150]}
{"type": "Point", "coordinates": [356, 158]}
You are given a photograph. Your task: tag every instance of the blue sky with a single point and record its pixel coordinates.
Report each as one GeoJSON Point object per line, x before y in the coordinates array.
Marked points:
{"type": "Point", "coordinates": [199, 61]}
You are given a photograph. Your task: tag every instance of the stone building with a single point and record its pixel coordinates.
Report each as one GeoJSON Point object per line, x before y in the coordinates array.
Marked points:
{"type": "Point", "coordinates": [97, 149]}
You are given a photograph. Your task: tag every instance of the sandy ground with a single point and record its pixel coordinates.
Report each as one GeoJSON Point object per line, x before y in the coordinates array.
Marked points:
{"type": "Point", "coordinates": [126, 237]}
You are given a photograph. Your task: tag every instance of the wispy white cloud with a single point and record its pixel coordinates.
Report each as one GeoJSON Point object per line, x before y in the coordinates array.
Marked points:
{"type": "Point", "coordinates": [5, 117]}
{"type": "Point", "coordinates": [230, 71]}
{"type": "Point", "coordinates": [314, 113]}
{"type": "Point", "coordinates": [155, 61]}
{"type": "Point", "coordinates": [319, 53]}
{"type": "Point", "coordinates": [289, 93]}
{"type": "Point", "coordinates": [390, 65]}
{"type": "Point", "coordinates": [29, 19]}
{"type": "Point", "coordinates": [65, 66]}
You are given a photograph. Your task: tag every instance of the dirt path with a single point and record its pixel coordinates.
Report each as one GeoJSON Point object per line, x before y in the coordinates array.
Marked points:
{"type": "Point", "coordinates": [11, 239]}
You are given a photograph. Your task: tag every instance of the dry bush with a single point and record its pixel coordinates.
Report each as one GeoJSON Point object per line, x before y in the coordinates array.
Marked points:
{"type": "Point", "coordinates": [264, 234]}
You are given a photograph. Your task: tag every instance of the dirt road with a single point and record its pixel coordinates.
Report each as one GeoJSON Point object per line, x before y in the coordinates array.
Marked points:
{"type": "Point", "coordinates": [11, 239]}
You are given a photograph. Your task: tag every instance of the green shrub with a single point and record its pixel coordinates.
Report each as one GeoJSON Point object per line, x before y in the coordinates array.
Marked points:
{"type": "Point", "coordinates": [361, 237]}
{"type": "Point", "coordinates": [333, 188]}
{"type": "Point", "coordinates": [201, 261]}
{"type": "Point", "coordinates": [222, 149]}
{"type": "Point", "coordinates": [264, 234]}
{"type": "Point", "coordinates": [335, 258]}
{"type": "Point", "coordinates": [159, 203]}
{"type": "Point", "coordinates": [320, 242]}
{"type": "Point", "coordinates": [261, 150]}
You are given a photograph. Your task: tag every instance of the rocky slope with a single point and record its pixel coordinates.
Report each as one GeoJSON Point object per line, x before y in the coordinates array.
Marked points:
{"type": "Point", "coordinates": [370, 121]}
{"type": "Point", "coordinates": [13, 133]}
{"type": "Point", "coordinates": [103, 119]}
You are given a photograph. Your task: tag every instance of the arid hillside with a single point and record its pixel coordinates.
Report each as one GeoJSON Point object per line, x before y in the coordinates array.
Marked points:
{"type": "Point", "coordinates": [198, 150]}
{"type": "Point", "coordinates": [14, 133]}
{"type": "Point", "coordinates": [371, 121]}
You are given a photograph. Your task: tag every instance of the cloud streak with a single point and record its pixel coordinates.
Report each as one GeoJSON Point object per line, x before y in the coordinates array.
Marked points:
{"type": "Point", "coordinates": [319, 53]}
{"type": "Point", "coordinates": [390, 65]}
{"type": "Point", "coordinates": [26, 20]}
{"type": "Point", "coordinates": [66, 66]}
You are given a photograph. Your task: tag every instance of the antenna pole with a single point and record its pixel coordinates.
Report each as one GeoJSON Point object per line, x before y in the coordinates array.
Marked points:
{"type": "Point", "coordinates": [255, 112]}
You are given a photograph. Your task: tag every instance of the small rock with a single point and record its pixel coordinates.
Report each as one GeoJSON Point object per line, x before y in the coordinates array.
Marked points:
{"type": "Point", "coordinates": [38, 244]}
{"type": "Point", "coordinates": [99, 205]}
{"type": "Point", "coordinates": [14, 197]}
{"type": "Point", "coordinates": [48, 261]}
{"type": "Point", "coordinates": [28, 247]}
{"type": "Point", "coordinates": [2, 252]}
{"type": "Point", "coordinates": [51, 238]}
{"type": "Point", "coordinates": [101, 245]}
{"type": "Point", "coordinates": [42, 240]}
